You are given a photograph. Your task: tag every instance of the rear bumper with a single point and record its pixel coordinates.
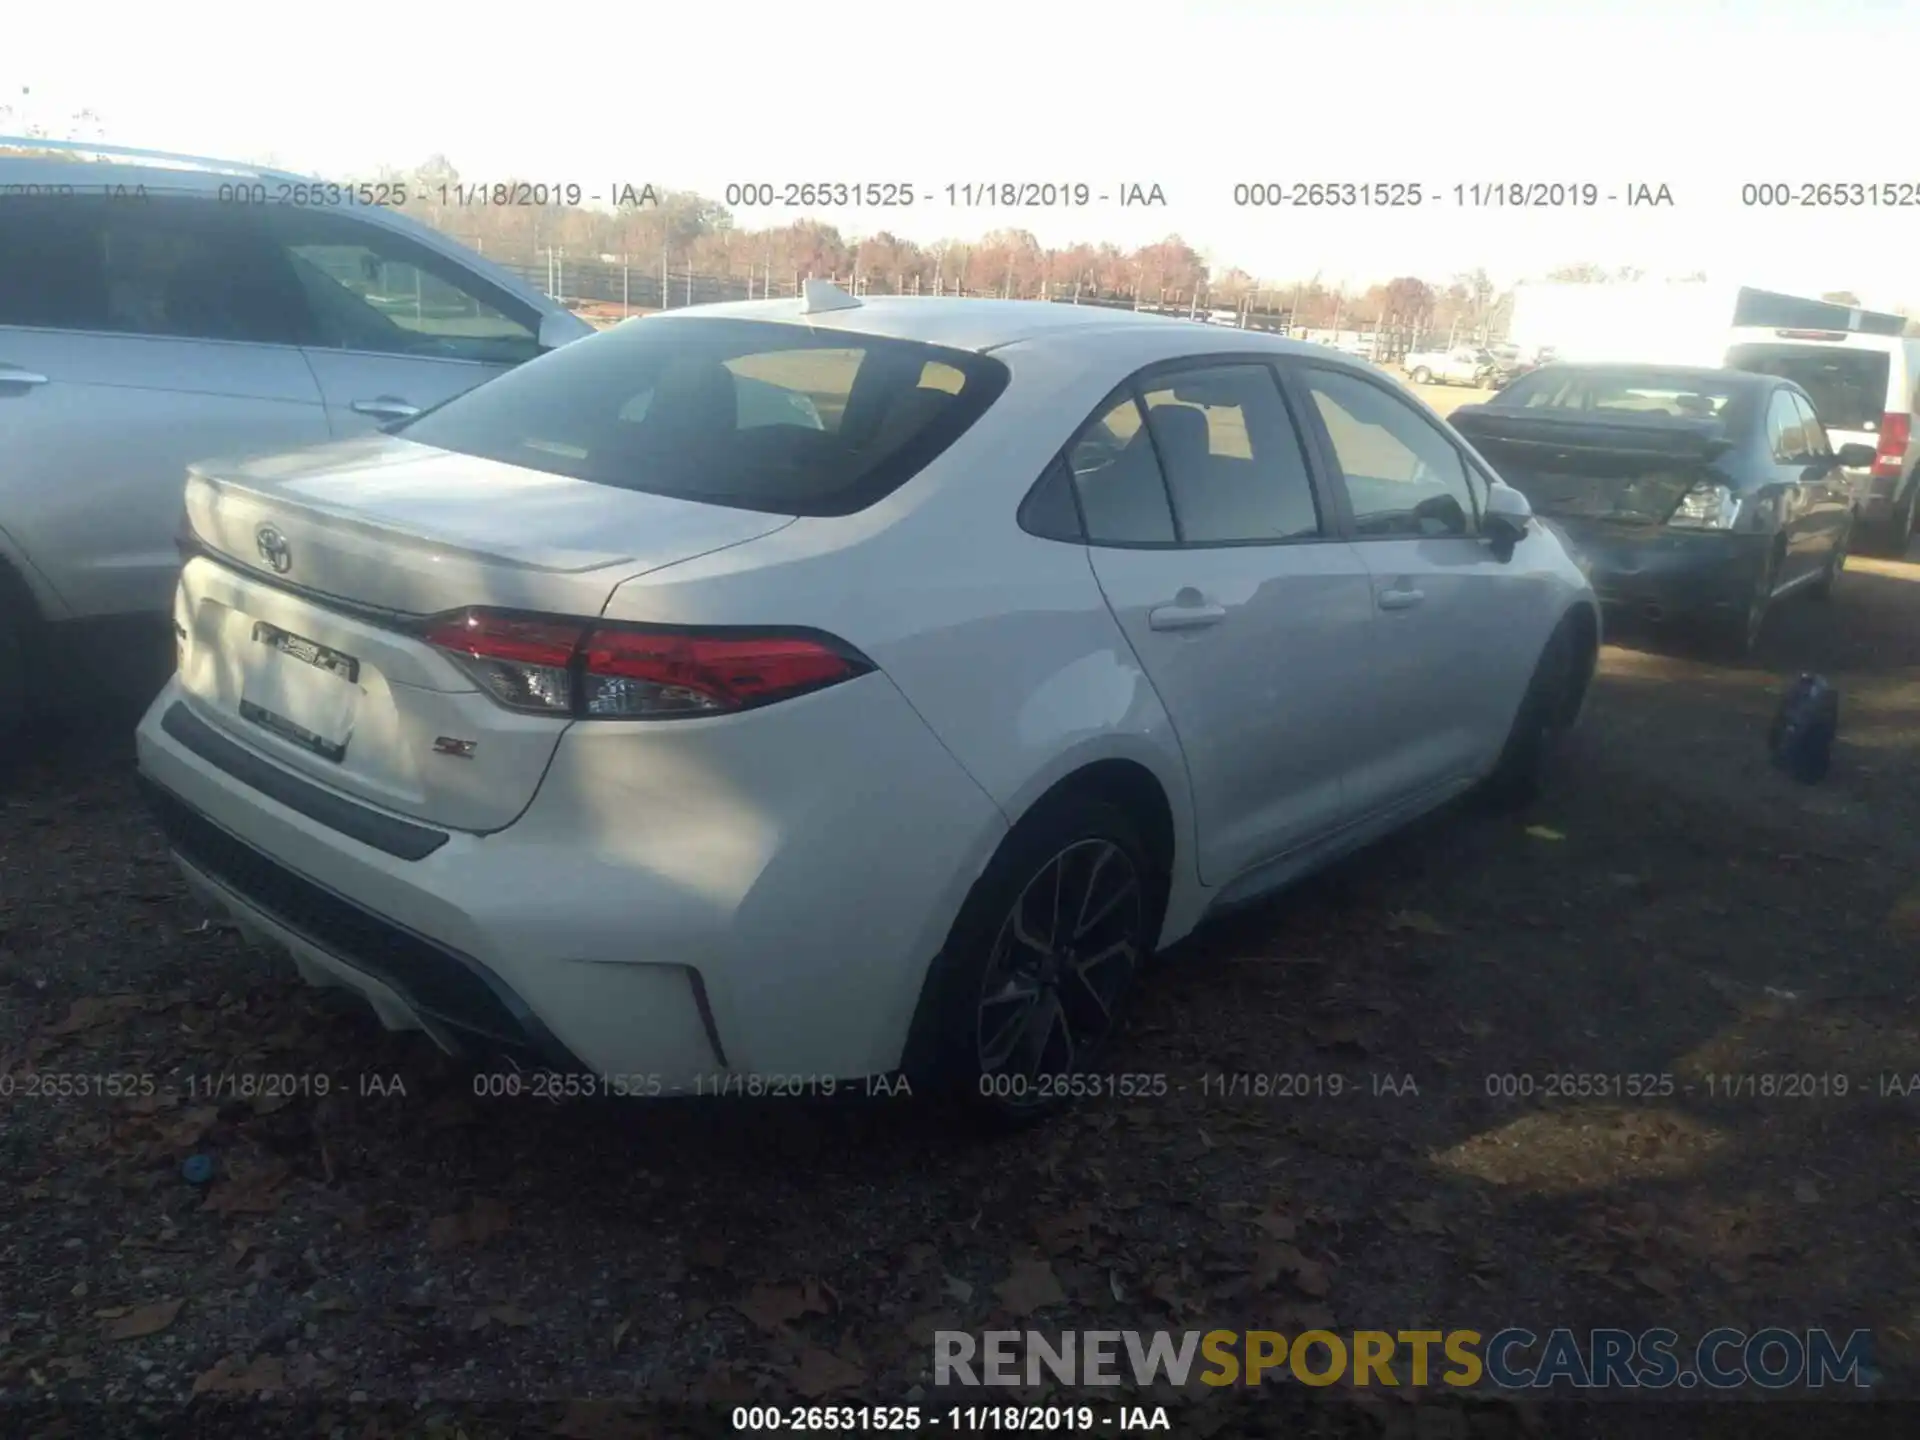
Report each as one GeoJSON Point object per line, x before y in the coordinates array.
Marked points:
{"type": "Point", "coordinates": [1669, 574]}
{"type": "Point", "coordinates": [722, 897]}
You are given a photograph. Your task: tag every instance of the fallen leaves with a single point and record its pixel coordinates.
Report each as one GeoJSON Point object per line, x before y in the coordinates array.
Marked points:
{"type": "Point", "coordinates": [1059, 1234]}
{"type": "Point", "coordinates": [773, 1307]}
{"type": "Point", "coordinates": [1270, 1262]}
{"type": "Point", "coordinates": [821, 1372]}
{"type": "Point", "coordinates": [1276, 1224]}
{"type": "Point", "coordinates": [1658, 1279]}
{"type": "Point", "coordinates": [90, 1011]}
{"type": "Point", "coordinates": [485, 1221]}
{"type": "Point", "coordinates": [512, 1316]}
{"type": "Point", "coordinates": [1545, 832]}
{"type": "Point", "coordinates": [605, 1420]}
{"type": "Point", "coordinates": [1418, 921]}
{"type": "Point", "coordinates": [1422, 1217]}
{"type": "Point", "coordinates": [1031, 1285]}
{"type": "Point", "coordinates": [145, 1320]}
{"type": "Point", "coordinates": [250, 1192]}
{"type": "Point", "coordinates": [233, 1376]}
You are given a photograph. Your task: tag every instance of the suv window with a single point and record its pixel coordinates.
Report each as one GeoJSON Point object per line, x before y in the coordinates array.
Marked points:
{"type": "Point", "coordinates": [167, 266]}
{"type": "Point", "coordinates": [1404, 477]}
{"type": "Point", "coordinates": [1117, 476]}
{"type": "Point", "coordinates": [1785, 430]}
{"type": "Point", "coordinates": [1816, 433]}
{"type": "Point", "coordinates": [371, 289]}
{"type": "Point", "coordinates": [751, 414]}
{"type": "Point", "coordinates": [1232, 458]}
{"type": "Point", "coordinates": [1849, 387]}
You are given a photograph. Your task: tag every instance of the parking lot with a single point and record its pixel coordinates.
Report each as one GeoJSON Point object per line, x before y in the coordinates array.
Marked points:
{"type": "Point", "coordinates": [1673, 909]}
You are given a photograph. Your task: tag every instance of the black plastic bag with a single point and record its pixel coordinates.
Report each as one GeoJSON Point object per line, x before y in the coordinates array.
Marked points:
{"type": "Point", "coordinates": [1801, 737]}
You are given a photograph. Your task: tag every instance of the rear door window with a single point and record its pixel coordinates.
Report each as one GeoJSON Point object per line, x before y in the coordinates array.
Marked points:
{"type": "Point", "coordinates": [1816, 433]}
{"type": "Point", "coordinates": [1117, 476]}
{"type": "Point", "coordinates": [1786, 432]}
{"type": "Point", "coordinates": [1235, 468]}
{"type": "Point", "coordinates": [175, 266]}
{"type": "Point", "coordinates": [756, 415]}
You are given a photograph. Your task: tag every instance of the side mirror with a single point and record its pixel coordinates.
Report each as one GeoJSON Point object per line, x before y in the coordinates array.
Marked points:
{"type": "Point", "coordinates": [1508, 518]}
{"type": "Point", "coordinates": [1855, 456]}
{"type": "Point", "coordinates": [556, 330]}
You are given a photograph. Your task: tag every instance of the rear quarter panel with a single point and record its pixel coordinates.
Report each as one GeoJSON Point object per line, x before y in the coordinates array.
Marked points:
{"type": "Point", "coordinates": [1002, 642]}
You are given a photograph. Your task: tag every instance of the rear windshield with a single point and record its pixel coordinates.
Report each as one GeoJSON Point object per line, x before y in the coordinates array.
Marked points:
{"type": "Point", "coordinates": [1849, 387]}
{"type": "Point", "coordinates": [744, 413]}
{"type": "Point", "coordinates": [1681, 394]}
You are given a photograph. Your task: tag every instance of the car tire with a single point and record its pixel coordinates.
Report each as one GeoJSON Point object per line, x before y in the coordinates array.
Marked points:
{"type": "Point", "coordinates": [18, 625]}
{"type": "Point", "coordinates": [1541, 724]}
{"type": "Point", "coordinates": [1889, 541]}
{"type": "Point", "coordinates": [1015, 1006]}
{"type": "Point", "coordinates": [1736, 637]}
{"type": "Point", "coordinates": [1422, 376]}
{"type": "Point", "coordinates": [1822, 589]}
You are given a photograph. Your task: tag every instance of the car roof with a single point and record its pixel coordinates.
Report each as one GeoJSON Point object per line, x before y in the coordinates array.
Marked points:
{"type": "Point", "coordinates": [983, 325]}
{"type": "Point", "coordinates": [69, 163]}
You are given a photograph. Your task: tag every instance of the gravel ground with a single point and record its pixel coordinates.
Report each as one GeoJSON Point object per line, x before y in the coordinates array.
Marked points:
{"type": "Point", "coordinates": [401, 1257]}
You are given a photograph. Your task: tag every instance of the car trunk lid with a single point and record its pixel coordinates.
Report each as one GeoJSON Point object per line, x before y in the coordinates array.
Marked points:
{"type": "Point", "coordinates": [301, 608]}
{"type": "Point", "coordinates": [1620, 470]}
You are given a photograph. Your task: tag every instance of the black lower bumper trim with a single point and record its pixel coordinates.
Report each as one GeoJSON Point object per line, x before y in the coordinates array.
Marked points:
{"type": "Point", "coordinates": [442, 985]}
{"type": "Point", "coordinates": [401, 838]}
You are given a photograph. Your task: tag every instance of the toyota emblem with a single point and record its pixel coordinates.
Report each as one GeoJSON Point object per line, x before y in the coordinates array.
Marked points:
{"type": "Point", "coordinates": [274, 549]}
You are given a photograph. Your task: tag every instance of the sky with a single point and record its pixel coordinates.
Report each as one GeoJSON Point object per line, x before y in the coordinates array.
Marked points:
{"type": "Point", "coordinates": [1700, 97]}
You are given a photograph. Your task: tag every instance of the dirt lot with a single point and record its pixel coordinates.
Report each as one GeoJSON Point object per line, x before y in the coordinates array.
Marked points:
{"type": "Point", "coordinates": [1675, 908]}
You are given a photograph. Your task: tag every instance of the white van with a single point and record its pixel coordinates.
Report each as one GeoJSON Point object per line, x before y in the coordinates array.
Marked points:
{"type": "Point", "coordinates": [1864, 390]}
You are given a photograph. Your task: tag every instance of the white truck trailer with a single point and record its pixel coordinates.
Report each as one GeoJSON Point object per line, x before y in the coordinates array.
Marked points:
{"type": "Point", "coordinates": [1664, 322]}
{"type": "Point", "coordinates": [1656, 322]}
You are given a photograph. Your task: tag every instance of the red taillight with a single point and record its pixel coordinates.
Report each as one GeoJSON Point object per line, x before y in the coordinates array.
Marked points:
{"type": "Point", "coordinates": [1890, 458]}
{"type": "Point", "coordinates": [523, 662]}
{"type": "Point", "coordinates": [615, 672]}
{"type": "Point", "coordinates": [641, 672]}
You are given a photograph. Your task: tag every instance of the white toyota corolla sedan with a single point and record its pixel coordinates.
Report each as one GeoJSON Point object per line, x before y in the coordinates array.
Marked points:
{"type": "Point", "coordinates": [766, 696]}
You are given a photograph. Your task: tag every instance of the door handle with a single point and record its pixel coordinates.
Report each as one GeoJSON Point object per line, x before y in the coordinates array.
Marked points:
{"type": "Point", "coordinates": [1401, 599]}
{"type": "Point", "coordinates": [1182, 615]}
{"type": "Point", "coordinates": [14, 375]}
{"type": "Point", "coordinates": [386, 407]}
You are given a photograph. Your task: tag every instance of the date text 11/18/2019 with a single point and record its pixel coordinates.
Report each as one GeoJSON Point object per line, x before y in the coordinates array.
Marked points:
{"type": "Point", "coordinates": [557, 1085]}
{"type": "Point", "coordinates": [959, 1419]}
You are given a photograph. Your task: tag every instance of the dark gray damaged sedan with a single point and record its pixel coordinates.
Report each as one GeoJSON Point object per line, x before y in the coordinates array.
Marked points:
{"type": "Point", "coordinates": [1695, 496]}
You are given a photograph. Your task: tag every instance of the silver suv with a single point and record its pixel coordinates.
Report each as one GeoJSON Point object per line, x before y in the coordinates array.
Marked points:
{"type": "Point", "coordinates": [157, 310]}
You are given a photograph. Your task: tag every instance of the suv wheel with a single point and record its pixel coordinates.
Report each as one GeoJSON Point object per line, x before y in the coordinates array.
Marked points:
{"type": "Point", "coordinates": [1040, 963]}
{"type": "Point", "coordinates": [1889, 541]}
{"type": "Point", "coordinates": [1422, 376]}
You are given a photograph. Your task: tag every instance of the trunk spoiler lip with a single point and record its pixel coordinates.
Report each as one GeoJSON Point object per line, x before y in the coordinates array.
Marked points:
{"type": "Point", "coordinates": [1656, 437]}
{"type": "Point", "coordinates": [563, 562]}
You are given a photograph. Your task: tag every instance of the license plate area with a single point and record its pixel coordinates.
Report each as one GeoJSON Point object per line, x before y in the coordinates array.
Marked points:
{"type": "Point", "coordinates": [301, 690]}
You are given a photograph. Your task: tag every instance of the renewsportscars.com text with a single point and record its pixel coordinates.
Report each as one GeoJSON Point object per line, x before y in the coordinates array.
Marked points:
{"type": "Point", "coordinates": [1773, 1358]}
